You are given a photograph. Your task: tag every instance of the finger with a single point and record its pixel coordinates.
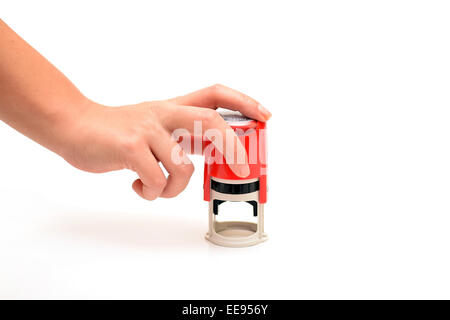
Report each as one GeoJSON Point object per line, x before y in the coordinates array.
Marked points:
{"type": "Point", "coordinates": [175, 161]}
{"type": "Point", "coordinates": [215, 128]}
{"type": "Point", "coordinates": [220, 96]}
{"type": "Point", "coordinates": [152, 180]}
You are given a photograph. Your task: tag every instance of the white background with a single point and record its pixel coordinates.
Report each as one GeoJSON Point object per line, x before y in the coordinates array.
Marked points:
{"type": "Point", "coordinates": [359, 154]}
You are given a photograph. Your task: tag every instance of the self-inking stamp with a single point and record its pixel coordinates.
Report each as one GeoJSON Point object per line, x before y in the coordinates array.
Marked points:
{"type": "Point", "coordinates": [221, 185]}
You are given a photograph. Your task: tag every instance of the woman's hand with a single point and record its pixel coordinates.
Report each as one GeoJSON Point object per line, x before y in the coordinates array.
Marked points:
{"type": "Point", "coordinates": [138, 137]}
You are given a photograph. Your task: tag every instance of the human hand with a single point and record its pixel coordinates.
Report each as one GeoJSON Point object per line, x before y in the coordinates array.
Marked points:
{"type": "Point", "coordinates": [37, 100]}
{"type": "Point", "coordinates": [138, 137]}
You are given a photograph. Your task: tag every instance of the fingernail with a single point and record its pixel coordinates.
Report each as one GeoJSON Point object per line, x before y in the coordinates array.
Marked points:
{"type": "Point", "coordinates": [265, 113]}
{"type": "Point", "coordinates": [242, 171]}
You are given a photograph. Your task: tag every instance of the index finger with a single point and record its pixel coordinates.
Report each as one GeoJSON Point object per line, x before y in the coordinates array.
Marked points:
{"type": "Point", "coordinates": [214, 128]}
{"type": "Point", "coordinates": [219, 95]}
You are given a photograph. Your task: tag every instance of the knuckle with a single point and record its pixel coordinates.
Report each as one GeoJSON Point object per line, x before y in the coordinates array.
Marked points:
{"type": "Point", "coordinates": [155, 107]}
{"type": "Point", "coordinates": [186, 169]}
{"type": "Point", "coordinates": [209, 115]}
{"type": "Point", "coordinates": [149, 196]}
{"type": "Point", "coordinates": [155, 131]}
{"type": "Point", "coordinates": [159, 183]}
{"type": "Point", "coordinates": [216, 87]}
{"type": "Point", "coordinates": [131, 143]}
{"type": "Point", "coordinates": [172, 195]}
{"type": "Point", "coordinates": [214, 90]}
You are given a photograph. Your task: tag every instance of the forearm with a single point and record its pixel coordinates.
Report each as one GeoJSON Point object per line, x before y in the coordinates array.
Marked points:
{"type": "Point", "coordinates": [35, 97]}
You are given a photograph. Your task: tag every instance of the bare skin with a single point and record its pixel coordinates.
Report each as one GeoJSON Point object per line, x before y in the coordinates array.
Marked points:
{"type": "Point", "coordinates": [37, 100]}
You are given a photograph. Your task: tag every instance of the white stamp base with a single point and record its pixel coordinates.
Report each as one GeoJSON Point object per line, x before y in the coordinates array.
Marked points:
{"type": "Point", "coordinates": [236, 233]}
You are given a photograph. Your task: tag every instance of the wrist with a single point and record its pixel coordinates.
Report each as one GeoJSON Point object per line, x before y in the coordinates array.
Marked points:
{"type": "Point", "coordinates": [70, 126]}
